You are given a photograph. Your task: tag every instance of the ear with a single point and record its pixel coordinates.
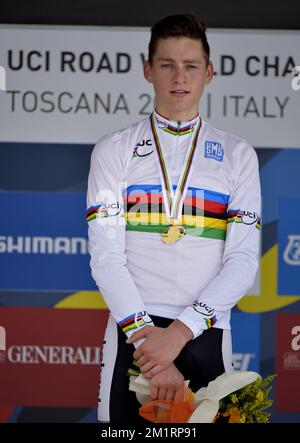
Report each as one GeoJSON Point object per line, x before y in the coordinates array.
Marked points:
{"type": "Point", "coordinates": [209, 73]}
{"type": "Point", "coordinates": [148, 71]}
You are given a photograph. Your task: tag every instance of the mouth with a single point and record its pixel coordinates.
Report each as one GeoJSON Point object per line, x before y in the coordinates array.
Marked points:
{"type": "Point", "coordinates": [179, 92]}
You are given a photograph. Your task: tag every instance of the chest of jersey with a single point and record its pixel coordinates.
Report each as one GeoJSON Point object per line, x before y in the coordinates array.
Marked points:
{"type": "Point", "coordinates": [210, 181]}
{"type": "Point", "coordinates": [211, 168]}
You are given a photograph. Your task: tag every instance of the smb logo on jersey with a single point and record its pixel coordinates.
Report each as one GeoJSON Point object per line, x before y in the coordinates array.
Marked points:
{"type": "Point", "coordinates": [245, 346]}
{"type": "Point", "coordinates": [43, 242]}
{"type": "Point", "coordinates": [213, 150]}
{"type": "Point", "coordinates": [289, 246]}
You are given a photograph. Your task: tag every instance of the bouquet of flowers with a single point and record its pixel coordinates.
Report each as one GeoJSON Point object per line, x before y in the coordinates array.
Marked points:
{"type": "Point", "coordinates": [247, 405]}
{"type": "Point", "coordinates": [233, 397]}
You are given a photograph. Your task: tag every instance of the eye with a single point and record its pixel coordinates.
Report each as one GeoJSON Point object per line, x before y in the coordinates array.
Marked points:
{"type": "Point", "coordinates": [192, 67]}
{"type": "Point", "coordinates": [166, 65]}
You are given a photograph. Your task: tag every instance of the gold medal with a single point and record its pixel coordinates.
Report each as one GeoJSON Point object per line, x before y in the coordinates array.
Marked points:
{"type": "Point", "coordinates": [172, 234]}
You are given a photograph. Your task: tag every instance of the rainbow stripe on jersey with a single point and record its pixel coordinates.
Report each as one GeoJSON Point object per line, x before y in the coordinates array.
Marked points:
{"type": "Point", "coordinates": [132, 323]}
{"type": "Point", "coordinates": [204, 211]}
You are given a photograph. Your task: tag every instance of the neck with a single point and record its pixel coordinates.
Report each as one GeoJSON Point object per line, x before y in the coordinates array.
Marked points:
{"type": "Point", "coordinates": [177, 116]}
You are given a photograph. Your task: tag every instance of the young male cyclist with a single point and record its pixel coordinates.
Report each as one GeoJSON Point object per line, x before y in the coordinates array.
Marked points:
{"type": "Point", "coordinates": [173, 211]}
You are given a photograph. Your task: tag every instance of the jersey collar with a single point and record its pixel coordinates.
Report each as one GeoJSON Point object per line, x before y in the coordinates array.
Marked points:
{"type": "Point", "coordinates": [173, 127]}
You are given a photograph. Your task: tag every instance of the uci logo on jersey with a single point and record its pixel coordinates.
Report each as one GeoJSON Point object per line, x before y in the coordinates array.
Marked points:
{"type": "Point", "coordinates": [110, 209]}
{"type": "Point", "coordinates": [204, 309]}
{"type": "Point", "coordinates": [248, 218]}
{"type": "Point", "coordinates": [143, 149]}
{"type": "Point", "coordinates": [213, 150]}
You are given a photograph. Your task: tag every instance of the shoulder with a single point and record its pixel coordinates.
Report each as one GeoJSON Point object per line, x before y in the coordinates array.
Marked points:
{"type": "Point", "coordinates": [119, 141]}
{"type": "Point", "coordinates": [232, 145]}
{"type": "Point", "coordinates": [229, 140]}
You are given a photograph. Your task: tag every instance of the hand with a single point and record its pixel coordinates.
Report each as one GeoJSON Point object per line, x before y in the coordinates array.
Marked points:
{"type": "Point", "coordinates": [166, 384]}
{"type": "Point", "coordinates": [161, 347]}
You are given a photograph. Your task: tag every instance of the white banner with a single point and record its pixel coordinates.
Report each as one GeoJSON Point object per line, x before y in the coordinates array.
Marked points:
{"type": "Point", "coordinates": [75, 84]}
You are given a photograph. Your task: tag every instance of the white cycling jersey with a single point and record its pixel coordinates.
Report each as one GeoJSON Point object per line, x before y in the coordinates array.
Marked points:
{"type": "Point", "coordinates": [199, 278]}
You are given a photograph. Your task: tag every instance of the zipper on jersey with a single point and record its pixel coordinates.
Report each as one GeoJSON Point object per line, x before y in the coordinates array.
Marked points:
{"type": "Point", "coordinates": [176, 153]}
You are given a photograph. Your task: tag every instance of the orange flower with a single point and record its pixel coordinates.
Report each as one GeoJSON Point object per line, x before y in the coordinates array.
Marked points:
{"type": "Point", "coordinates": [234, 416]}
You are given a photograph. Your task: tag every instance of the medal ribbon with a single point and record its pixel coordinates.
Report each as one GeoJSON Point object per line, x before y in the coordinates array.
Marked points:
{"type": "Point", "coordinates": [173, 203]}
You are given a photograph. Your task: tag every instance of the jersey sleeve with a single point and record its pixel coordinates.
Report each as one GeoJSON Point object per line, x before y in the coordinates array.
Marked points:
{"type": "Point", "coordinates": [240, 257]}
{"type": "Point", "coordinates": [106, 231]}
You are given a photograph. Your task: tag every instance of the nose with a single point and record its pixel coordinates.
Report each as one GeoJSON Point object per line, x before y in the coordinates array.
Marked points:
{"type": "Point", "coordinates": [180, 75]}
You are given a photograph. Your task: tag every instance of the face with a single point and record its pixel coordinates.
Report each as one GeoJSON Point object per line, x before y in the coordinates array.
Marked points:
{"type": "Point", "coordinates": [179, 74]}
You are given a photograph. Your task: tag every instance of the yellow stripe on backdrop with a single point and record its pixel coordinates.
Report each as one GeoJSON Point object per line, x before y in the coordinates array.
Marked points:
{"type": "Point", "coordinates": [83, 300]}
{"type": "Point", "coordinates": [268, 300]}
